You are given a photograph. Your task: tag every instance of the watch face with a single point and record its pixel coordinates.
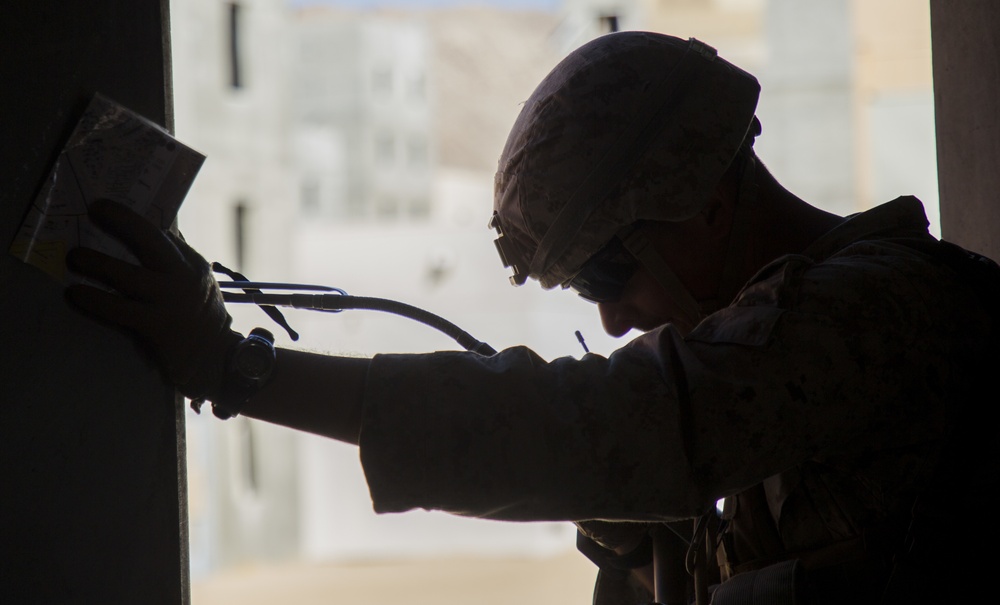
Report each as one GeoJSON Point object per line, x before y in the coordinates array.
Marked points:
{"type": "Point", "coordinates": [254, 361]}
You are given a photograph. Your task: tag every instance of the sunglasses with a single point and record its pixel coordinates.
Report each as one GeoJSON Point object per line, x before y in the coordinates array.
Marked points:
{"type": "Point", "coordinates": [603, 277]}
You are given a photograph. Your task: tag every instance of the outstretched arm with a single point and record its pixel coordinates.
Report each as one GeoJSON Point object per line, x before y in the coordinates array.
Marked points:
{"type": "Point", "coordinates": [172, 302]}
{"type": "Point", "coordinates": [316, 393]}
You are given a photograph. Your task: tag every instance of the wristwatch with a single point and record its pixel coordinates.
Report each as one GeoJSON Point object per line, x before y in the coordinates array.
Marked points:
{"type": "Point", "coordinates": [250, 364]}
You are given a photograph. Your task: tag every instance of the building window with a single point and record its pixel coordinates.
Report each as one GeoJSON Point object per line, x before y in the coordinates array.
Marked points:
{"type": "Point", "coordinates": [382, 81]}
{"type": "Point", "coordinates": [416, 151]}
{"type": "Point", "coordinates": [385, 149]}
{"type": "Point", "coordinates": [608, 23]}
{"type": "Point", "coordinates": [249, 471]}
{"type": "Point", "coordinates": [355, 207]}
{"type": "Point", "coordinates": [417, 88]}
{"type": "Point", "coordinates": [420, 208]}
{"type": "Point", "coordinates": [386, 207]}
{"type": "Point", "coordinates": [235, 65]}
{"type": "Point", "coordinates": [310, 196]}
{"type": "Point", "coordinates": [240, 234]}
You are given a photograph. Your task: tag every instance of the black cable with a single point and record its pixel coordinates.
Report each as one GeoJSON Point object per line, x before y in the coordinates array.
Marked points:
{"type": "Point", "coordinates": [340, 302]}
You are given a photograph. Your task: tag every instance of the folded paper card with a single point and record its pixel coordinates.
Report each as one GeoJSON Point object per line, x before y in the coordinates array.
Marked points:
{"type": "Point", "coordinates": [113, 154]}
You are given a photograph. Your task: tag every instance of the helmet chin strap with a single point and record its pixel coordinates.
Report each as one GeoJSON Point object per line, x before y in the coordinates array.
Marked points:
{"type": "Point", "coordinates": [639, 246]}
{"type": "Point", "coordinates": [733, 271]}
{"type": "Point", "coordinates": [692, 311]}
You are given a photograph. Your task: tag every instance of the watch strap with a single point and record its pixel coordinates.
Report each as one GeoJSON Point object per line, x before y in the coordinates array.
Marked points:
{"type": "Point", "coordinates": [237, 387]}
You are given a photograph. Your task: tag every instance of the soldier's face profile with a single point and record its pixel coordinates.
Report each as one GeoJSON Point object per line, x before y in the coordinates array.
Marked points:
{"type": "Point", "coordinates": [643, 305]}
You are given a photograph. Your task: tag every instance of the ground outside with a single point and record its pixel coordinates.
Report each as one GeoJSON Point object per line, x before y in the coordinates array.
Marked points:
{"type": "Point", "coordinates": [565, 579]}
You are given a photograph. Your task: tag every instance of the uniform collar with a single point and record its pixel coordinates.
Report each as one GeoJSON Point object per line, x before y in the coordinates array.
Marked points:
{"type": "Point", "coordinates": [902, 217]}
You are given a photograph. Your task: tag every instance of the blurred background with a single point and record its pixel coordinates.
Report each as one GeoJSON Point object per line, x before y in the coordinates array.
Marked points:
{"type": "Point", "coordinates": [353, 144]}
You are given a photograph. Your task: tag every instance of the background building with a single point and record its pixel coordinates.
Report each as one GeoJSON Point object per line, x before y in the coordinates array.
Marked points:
{"type": "Point", "coordinates": [324, 168]}
{"type": "Point", "coordinates": [361, 117]}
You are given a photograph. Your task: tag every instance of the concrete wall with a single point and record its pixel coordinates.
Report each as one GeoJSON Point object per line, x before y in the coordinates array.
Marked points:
{"type": "Point", "coordinates": [92, 509]}
{"type": "Point", "coordinates": [966, 88]}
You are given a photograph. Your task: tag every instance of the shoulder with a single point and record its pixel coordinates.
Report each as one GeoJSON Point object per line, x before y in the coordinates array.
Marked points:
{"type": "Point", "coordinates": [875, 287]}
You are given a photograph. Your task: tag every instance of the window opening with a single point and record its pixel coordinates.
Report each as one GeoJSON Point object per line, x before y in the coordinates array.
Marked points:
{"type": "Point", "coordinates": [608, 23]}
{"type": "Point", "coordinates": [382, 81]}
{"type": "Point", "coordinates": [240, 234]}
{"type": "Point", "coordinates": [310, 196]}
{"type": "Point", "coordinates": [248, 458]}
{"type": "Point", "coordinates": [235, 76]}
{"type": "Point", "coordinates": [386, 207]}
{"type": "Point", "coordinates": [385, 149]}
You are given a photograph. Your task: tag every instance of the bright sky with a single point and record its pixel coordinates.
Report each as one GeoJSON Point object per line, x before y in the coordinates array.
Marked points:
{"type": "Point", "coordinates": [512, 4]}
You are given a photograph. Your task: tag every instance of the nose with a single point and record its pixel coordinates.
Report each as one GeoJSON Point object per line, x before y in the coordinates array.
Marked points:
{"type": "Point", "coordinates": [616, 318]}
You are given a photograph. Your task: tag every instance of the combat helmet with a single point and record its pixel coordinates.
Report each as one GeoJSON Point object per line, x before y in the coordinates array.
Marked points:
{"type": "Point", "coordinates": [630, 127]}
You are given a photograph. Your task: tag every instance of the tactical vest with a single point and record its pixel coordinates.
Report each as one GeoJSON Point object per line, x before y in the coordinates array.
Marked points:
{"type": "Point", "coordinates": [934, 552]}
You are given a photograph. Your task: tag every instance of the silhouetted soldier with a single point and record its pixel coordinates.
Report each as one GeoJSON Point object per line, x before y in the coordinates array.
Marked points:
{"type": "Point", "coordinates": [817, 372]}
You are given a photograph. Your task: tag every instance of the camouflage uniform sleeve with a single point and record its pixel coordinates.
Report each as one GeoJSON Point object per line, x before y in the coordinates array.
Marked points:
{"type": "Point", "coordinates": [814, 360]}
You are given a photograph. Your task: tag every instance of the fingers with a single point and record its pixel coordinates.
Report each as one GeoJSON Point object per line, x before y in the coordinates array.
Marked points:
{"type": "Point", "coordinates": [128, 279]}
{"type": "Point", "coordinates": [171, 300]}
{"type": "Point", "coordinates": [193, 258]}
{"type": "Point", "coordinates": [149, 243]}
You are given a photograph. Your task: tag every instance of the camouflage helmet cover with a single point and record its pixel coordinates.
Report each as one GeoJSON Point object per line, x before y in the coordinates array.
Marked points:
{"type": "Point", "coordinates": [631, 126]}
